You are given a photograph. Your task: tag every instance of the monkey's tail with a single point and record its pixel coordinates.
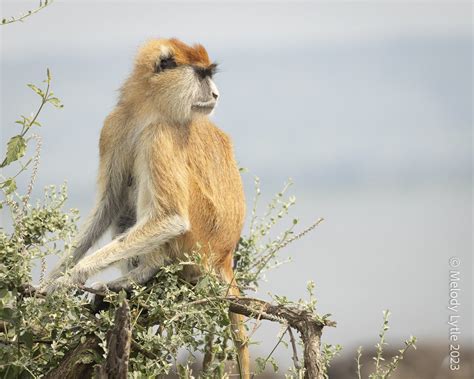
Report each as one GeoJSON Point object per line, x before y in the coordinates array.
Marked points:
{"type": "Point", "coordinates": [239, 332]}
{"type": "Point", "coordinates": [241, 343]}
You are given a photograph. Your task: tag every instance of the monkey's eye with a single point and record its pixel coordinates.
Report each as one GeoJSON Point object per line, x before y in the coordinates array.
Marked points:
{"type": "Point", "coordinates": [166, 63]}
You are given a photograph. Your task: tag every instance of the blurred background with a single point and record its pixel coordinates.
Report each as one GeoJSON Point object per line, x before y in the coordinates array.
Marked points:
{"type": "Point", "coordinates": [367, 106]}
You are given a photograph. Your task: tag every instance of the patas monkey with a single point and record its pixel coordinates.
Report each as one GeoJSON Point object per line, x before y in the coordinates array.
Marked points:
{"type": "Point", "coordinates": [167, 177]}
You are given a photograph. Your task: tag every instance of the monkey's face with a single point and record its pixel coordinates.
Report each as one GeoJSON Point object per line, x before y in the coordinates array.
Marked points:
{"type": "Point", "coordinates": [179, 80]}
{"type": "Point", "coordinates": [183, 90]}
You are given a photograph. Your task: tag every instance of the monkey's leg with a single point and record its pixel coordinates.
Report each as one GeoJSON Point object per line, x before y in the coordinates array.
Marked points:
{"type": "Point", "coordinates": [144, 238]}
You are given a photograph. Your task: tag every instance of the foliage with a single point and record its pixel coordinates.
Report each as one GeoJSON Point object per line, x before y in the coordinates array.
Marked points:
{"type": "Point", "coordinates": [328, 353]}
{"type": "Point", "coordinates": [257, 252]}
{"type": "Point", "coordinates": [383, 371]}
{"type": "Point", "coordinates": [28, 331]}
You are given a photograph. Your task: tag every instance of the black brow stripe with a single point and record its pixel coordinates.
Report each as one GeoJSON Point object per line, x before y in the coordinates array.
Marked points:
{"type": "Point", "coordinates": [205, 72]}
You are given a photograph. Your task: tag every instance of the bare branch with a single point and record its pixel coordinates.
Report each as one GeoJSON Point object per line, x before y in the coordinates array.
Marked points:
{"type": "Point", "coordinates": [73, 366]}
{"type": "Point", "coordinates": [119, 339]}
{"type": "Point", "coordinates": [29, 13]}
{"type": "Point", "coordinates": [296, 361]}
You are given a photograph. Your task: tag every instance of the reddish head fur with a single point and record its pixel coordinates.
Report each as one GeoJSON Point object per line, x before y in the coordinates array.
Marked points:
{"type": "Point", "coordinates": [150, 52]}
{"type": "Point", "coordinates": [185, 54]}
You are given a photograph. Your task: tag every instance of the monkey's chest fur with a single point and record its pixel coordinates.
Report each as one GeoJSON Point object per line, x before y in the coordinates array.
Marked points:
{"type": "Point", "coordinates": [191, 172]}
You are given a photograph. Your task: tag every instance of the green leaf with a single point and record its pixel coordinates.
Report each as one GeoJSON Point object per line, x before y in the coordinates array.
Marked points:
{"type": "Point", "coordinates": [182, 371]}
{"type": "Point", "coordinates": [27, 339]}
{"type": "Point", "coordinates": [16, 149]}
{"type": "Point", "coordinates": [24, 121]}
{"type": "Point", "coordinates": [36, 89]}
{"type": "Point", "coordinates": [274, 364]}
{"type": "Point", "coordinates": [87, 357]}
{"type": "Point", "coordinates": [9, 185]}
{"type": "Point", "coordinates": [202, 284]}
{"type": "Point", "coordinates": [261, 363]}
{"type": "Point", "coordinates": [6, 314]}
{"type": "Point", "coordinates": [4, 292]}
{"type": "Point", "coordinates": [55, 102]}
{"type": "Point", "coordinates": [13, 370]}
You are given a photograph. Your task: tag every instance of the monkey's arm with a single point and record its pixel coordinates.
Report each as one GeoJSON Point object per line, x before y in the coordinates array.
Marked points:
{"type": "Point", "coordinates": [142, 239]}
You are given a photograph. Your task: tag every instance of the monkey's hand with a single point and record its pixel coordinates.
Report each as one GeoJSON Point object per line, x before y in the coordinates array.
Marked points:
{"type": "Point", "coordinates": [52, 285]}
{"type": "Point", "coordinates": [72, 278]}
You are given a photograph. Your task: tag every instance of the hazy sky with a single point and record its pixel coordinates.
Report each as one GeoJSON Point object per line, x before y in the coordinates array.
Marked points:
{"type": "Point", "coordinates": [367, 106]}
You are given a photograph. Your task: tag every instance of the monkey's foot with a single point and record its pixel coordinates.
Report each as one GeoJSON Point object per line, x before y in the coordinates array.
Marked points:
{"type": "Point", "coordinates": [120, 284]}
{"type": "Point", "coordinates": [114, 286]}
{"type": "Point", "coordinates": [100, 289]}
{"type": "Point", "coordinates": [99, 286]}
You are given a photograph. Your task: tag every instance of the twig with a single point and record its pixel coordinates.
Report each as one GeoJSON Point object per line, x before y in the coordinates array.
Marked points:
{"type": "Point", "coordinates": [295, 352]}
{"type": "Point", "coordinates": [136, 346]}
{"type": "Point", "coordinates": [301, 234]}
{"type": "Point", "coordinates": [258, 322]}
{"type": "Point", "coordinates": [274, 347]}
{"type": "Point", "coordinates": [26, 14]}
{"type": "Point", "coordinates": [359, 366]}
{"type": "Point", "coordinates": [34, 172]}
{"type": "Point", "coordinates": [285, 244]}
{"type": "Point", "coordinates": [381, 343]}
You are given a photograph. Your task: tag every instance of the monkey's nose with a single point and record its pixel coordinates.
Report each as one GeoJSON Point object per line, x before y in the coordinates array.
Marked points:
{"type": "Point", "coordinates": [215, 95]}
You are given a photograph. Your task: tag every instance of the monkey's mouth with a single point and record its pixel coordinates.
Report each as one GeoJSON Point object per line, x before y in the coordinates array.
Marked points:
{"type": "Point", "coordinates": [204, 106]}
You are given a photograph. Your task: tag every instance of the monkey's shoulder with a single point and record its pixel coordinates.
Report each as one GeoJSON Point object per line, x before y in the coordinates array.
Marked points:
{"type": "Point", "coordinates": [204, 132]}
